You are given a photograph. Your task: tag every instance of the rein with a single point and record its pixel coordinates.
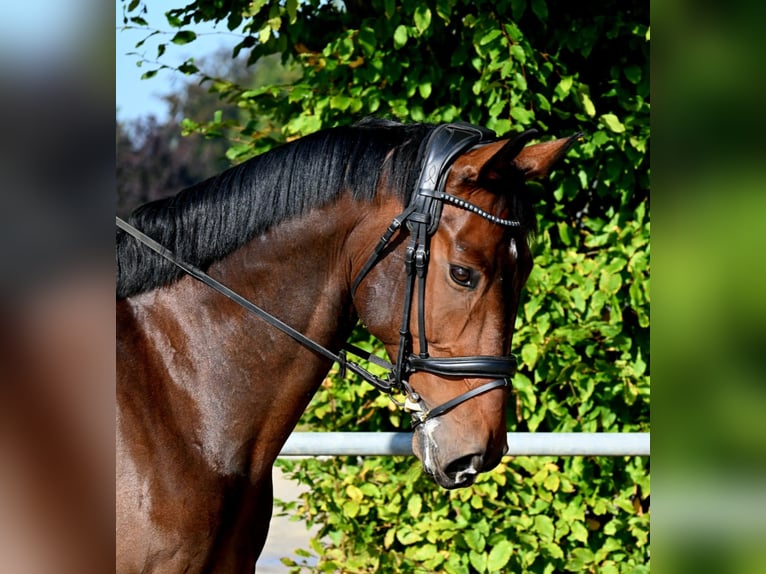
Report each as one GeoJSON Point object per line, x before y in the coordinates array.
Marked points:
{"type": "Point", "coordinates": [422, 216]}
{"type": "Point", "coordinates": [200, 275]}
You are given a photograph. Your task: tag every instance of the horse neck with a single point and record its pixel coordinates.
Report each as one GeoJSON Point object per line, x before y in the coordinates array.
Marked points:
{"type": "Point", "coordinates": [245, 382]}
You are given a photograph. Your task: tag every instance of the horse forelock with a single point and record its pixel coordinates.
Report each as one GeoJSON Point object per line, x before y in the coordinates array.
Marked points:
{"type": "Point", "coordinates": [211, 219]}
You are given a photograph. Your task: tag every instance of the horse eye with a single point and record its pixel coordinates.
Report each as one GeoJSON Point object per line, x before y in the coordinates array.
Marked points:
{"type": "Point", "coordinates": [461, 275]}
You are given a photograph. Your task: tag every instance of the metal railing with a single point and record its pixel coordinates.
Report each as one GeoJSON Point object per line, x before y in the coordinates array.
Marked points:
{"type": "Point", "coordinates": [520, 444]}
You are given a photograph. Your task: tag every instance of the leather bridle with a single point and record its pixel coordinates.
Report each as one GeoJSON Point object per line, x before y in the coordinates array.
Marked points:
{"type": "Point", "coordinates": [444, 144]}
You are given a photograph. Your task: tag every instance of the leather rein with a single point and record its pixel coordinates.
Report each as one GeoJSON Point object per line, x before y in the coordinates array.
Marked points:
{"type": "Point", "coordinates": [422, 215]}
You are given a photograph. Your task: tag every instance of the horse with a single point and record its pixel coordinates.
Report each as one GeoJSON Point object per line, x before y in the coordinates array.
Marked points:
{"type": "Point", "coordinates": [235, 296]}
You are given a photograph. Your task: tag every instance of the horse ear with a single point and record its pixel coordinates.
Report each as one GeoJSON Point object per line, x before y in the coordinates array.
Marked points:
{"type": "Point", "coordinates": [537, 160]}
{"type": "Point", "coordinates": [533, 161]}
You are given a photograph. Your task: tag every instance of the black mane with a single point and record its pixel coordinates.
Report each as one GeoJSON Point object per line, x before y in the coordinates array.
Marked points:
{"type": "Point", "coordinates": [209, 220]}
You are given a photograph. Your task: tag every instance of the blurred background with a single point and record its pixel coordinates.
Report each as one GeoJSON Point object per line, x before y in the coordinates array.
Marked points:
{"type": "Point", "coordinates": [709, 283]}
{"type": "Point", "coordinates": [56, 287]}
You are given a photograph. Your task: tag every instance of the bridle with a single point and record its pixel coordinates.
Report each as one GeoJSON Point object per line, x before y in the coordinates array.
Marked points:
{"type": "Point", "coordinates": [421, 216]}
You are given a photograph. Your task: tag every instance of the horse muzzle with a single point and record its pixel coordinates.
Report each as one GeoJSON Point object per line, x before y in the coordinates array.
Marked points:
{"type": "Point", "coordinates": [449, 461]}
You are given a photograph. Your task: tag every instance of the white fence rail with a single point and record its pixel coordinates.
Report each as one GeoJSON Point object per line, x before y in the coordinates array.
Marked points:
{"type": "Point", "coordinates": [520, 444]}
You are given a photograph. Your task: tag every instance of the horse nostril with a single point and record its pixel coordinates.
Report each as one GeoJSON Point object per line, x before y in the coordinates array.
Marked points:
{"type": "Point", "coordinates": [463, 470]}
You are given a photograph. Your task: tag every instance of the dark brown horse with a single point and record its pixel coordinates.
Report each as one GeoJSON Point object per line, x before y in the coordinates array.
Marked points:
{"type": "Point", "coordinates": [208, 392]}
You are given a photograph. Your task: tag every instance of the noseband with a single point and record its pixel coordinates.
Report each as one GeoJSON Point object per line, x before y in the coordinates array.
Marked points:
{"type": "Point", "coordinates": [422, 216]}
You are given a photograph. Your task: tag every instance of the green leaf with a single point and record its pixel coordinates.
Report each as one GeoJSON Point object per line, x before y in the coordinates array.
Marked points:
{"type": "Point", "coordinates": [639, 366]}
{"type": "Point", "coordinates": [340, 102]}
{"type": "Point", "coordinates": [552, 482]}
{"type": "Point", "coordinates": [237, 151]}
{"type": "Point", "coordinates": [523, 116]}
{"type": "Point", "coordinates": [275, 23]}
{"type": "Point", "coordinates": [514, 33]}
{"type": "Point", "coordinates": [184, 37]}
{"type": "Point", "coordinates": [587, 104]}
{"type": "Point", "coordinates": [422, 18]}
{"type": "Point", "coordinates": [389, 7]}
{"type": "Point", "coordinates": [256, 5]}
{"type": "Point", "coordinates": [544, 526]}
{"type": "Point", "coordinates": [406, 536]}
{"type": "Point", "coordinates": [367, 40]}
{"type": "Point", "coordinates": [613, 123]}
{"type": "Point", "coordinates": [354, 492]}
{"type": "Point", "coordinates": [640, 212]}
{"type": "Point", "coordinates": [303, 553]}
{"type": "Point", "coordinates": [523, 386]}
{"type": "Point", "coordinates": [633, 73]}
{"type": "Point", "coordinates": [499, 555]}
{"type": "Point", "coordinates": [444, 9]}
{"type": "Point", "coordinates": [188, 68]}
{"type": "Point", "coordinates": [188, 125]}
{"type": "Point", "coordinates": [579, 559]}
{"type": "Point", "coordinates": [489, 37]}
{"type": "Point", "coordinates": [475, 540]}
{"type": "Point", "coordinates": [615, 265]}
{"type": "Point", "coordinates": [578, 299]}
{"type": "Point", "coordinates": [369, 489]}
{"type": "Point", "coordinates": [564, 233]}
{"type": "Point", "coordinates": [529, 355]}
{"type": "Point", "coordinates": [540, 8]}
{"type": "Point", "coordinates": [264, 34]}
{"type": "Point", "coordinates": [499, 126]}
{"type": "Point", "coordinates": [388, 539]}
{"type": "Point", "coordinates": [518, 54]}
{"type": "Point", "coordinates": [400, 36]}
{"type": "Point", "coordinates": [562, 88]}
{"type": "Point", "coordinates": [414, 505]}
{"type": "Point", "coordinates": [497, 108]}
{"type": "Point", "coordinates": [425, 90]}
{"type": "Point", "coordinates": [553, 550]}
{"type": "Point", "coordinates": [292, 10]}
{"type": "Point", "coordinates": [478, 560]}
{"type": "Point", "coordinates": [234, 20]}
{"type": "Point", "coordinates": [173, 20]}
{"type": "Point", "coordinates": [422, 553]}
{"type": "Point", "coordinates": [149, 74]}
{"type": "Point", "coordinates": [609, 283]}
{"type": "Point", "coordinates": [350, 508]}
{"type": "Point", "coordinates": [521, 82]}
{"type": "Point", "coordinates": [578, 531]}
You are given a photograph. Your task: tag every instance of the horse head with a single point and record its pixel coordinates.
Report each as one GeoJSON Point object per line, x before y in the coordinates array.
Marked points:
{"type": "Point", "coordinates": [460, 322]}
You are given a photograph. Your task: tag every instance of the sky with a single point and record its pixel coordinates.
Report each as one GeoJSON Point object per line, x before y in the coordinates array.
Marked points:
{"type": "Point", "coordinates": [140, 98]}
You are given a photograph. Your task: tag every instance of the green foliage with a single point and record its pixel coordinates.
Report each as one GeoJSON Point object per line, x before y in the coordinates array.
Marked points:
{"type": "Point", "coordinates": [583, 329]}
{"type": "Point", "coordinates": [528, 515]}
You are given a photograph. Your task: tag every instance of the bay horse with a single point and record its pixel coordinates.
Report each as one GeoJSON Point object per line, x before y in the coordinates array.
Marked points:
{"type": "Point", "coordinates": [418, 231]}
